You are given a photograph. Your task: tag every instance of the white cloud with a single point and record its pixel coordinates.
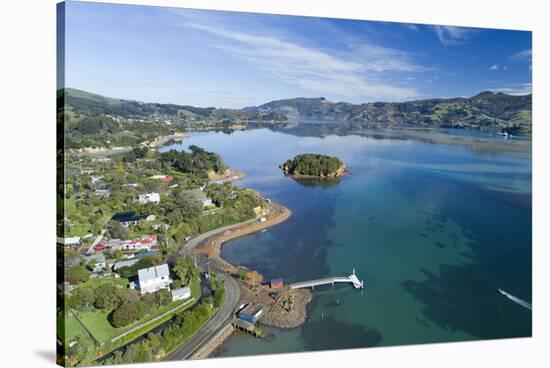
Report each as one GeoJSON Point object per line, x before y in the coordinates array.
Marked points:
{"type": "Point", "coordinates": [516, 89]}
{"type": "Point", "coordinates": [525, 55]}
{"type": "Point", "coordinates": [359, 73]}
{"type": "Point", "coordinates": [452, 35]}
{"type": "Point", "coordinates": [412, 27]}
{"type": "Point", "coordinates": [496, 67]}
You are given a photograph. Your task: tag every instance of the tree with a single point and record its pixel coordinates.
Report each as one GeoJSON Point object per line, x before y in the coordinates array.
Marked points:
{"type": "Point", "coordinates": [106, 297]}
{"type": "Point", "coordinates": [82, 298]}
{"type": "Point", "coordinates": [218, 297]}
{"type": "Point", "coordinates": [185, 270]}
{"type": "Point", "coordinates": [155, 343]}
{"type": "Point", "coordinates": [117, 231]}
{"type": "Point", "coordinates": [141, 309]}
{"type": "Point", "coordinates": [163, 297]}
{"type": "Point", "coordinates": [117, 255]}
{"type": "Point", "coordinates": [77, 274]}
{"type": "Point", "coordinates": [124, 315]}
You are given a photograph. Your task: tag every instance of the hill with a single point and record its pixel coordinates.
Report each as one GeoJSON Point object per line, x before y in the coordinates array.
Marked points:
{"type": "Point", "coordinates": [486, 110]}
{"type": "Point", "coordinates": [82, 102]}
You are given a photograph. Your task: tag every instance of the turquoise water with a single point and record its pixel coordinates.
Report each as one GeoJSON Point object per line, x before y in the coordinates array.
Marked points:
{"type": "Point", "coordinates": [432, 229]}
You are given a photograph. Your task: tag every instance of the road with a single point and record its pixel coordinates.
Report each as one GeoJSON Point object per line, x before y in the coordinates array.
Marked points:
{"type": "Point", "coordinates": [231, 299]}
{"type": "Point", "coordinates": [224, 315]}
{"type": "Point", "coordinates": [232, 292]}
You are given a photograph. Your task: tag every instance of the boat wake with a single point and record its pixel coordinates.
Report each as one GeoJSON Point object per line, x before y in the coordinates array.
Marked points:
{"type": "Point", "coordinates": [516, 300]}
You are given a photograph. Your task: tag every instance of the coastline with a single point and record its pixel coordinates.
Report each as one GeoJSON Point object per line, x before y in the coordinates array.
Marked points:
{"type": "Point", "coordinates": [211, 336]}
{"type": "Point", "coordinates": [212, 246]}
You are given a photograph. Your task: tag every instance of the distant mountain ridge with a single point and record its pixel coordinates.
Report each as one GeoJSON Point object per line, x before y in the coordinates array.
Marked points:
{"type": "Point", "coordinates": [485, 110]}
{"type": "Point", "coordinates": [94, 104]}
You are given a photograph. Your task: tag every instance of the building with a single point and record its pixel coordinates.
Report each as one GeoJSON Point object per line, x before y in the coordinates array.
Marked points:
{"type": "Point", "coordinates": [276, 283]}
{"type": "Point", "coordinates": [127, 263]}
{"type": "Point", "coordinates": [69, 242]}
{"type": "Point", "coordinates": [149, 198]}
{"type": "Point", "coordinates": [100, 247]}
{"type": "Point", "coordinates": [183, 293]}
{"type": "Point", "coordinates": [132, 183]}
{"type": "Point", "coordinates": [250, 313]}
{"type": "Point", "coordinates": [201, 197]}
{"type": "Point", "coordinates": [166, 179]}
{"type": "Point", "coordinates": [153, 279]}
{"type": "Point", "coordinates": [102, 192]}
{"type": "Point", "coordinates": [131, 218]}
{"type": "Point", "coordinates": [144, 243]}
{"type": "Point", "coordinates": [158, 177]}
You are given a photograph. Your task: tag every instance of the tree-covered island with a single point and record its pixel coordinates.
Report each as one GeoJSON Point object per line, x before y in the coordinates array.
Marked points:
{"type": "Point", "coordinates": [314, 165]}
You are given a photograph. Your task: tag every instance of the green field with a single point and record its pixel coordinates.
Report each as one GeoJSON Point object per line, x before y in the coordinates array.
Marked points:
{"type": "Point", "coordinates": [98, 324]}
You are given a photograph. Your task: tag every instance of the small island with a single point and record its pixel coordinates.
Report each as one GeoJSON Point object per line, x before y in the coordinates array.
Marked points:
{"type": "Point", "coordinates": [312, 165]}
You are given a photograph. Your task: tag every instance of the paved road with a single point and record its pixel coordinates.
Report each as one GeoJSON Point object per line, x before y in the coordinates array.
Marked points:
{"type": "Point", "coordinates": [232, 292]}
{"type": "Point", "coordinates": [231, 299]}
{"type": "Point", "coordinates": [224, 315]}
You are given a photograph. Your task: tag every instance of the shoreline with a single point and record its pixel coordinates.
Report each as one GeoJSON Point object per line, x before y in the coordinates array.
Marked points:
{"type": "Point", "coordinates": [212, 246]}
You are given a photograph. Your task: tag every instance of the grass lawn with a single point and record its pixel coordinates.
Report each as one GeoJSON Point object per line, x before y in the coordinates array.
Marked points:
{"type": "Point", "coordinates": [100, 327]}
{"type": "Point", "coordinates": [74, 329]}
{"type": "Point", "coordinates": [121, 281]}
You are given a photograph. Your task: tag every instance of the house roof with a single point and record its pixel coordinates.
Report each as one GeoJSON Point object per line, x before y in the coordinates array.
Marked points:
{"type": "Point", "coordinates": [252, 309]}
{"type": "Point", "coordinates": [68, 241]}
{"type": "Point", "coordinates": [148, 239]}
{"type": "Point", "coordinates": [151, 273]}
{"type": "Point", "coordinates": [198, 194]}
{"type": "Point", "coordinates": [127, 263]}
{"type": "Point", "coordinates": [182, 291]}
{"type": "Point", "coordinates": [128, 216]}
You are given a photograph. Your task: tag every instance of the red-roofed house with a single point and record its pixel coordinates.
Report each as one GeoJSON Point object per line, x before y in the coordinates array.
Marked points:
{"type": "Point", "coordinates": [166, 179]}
{"type": "Point", "coordinates": [99, 247]}
{"type": "Point", "coordinates": [144, 243]}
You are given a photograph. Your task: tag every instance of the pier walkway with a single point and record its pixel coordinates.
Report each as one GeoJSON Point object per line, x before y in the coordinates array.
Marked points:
{"type": "Point", "coordinates": [352, 279]}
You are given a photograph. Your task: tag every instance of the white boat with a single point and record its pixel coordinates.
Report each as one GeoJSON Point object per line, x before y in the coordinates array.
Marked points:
{"type": "Point", "coordinates": [515, 299]}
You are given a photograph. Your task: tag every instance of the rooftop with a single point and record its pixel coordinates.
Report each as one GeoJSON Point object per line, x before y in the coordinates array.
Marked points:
{"type": "Point", "coordinates": [128, 216]}
{"type": "Point", "coordinates": [182, 291]}
{"type": "Point", "coordinates": [151, 273]}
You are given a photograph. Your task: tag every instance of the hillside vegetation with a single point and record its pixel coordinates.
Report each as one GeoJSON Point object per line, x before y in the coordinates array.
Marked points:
{"type": "Point", "coordinates": [486, 110]}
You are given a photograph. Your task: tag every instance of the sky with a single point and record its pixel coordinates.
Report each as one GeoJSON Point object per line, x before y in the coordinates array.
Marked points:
{"type": "Point", "coordinates": [230, 59]}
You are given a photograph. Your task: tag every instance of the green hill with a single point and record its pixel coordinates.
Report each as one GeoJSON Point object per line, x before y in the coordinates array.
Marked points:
{"type": "Point", "coordinates": [486, 110]}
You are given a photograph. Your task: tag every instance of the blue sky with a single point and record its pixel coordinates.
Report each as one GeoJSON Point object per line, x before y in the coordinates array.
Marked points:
{"type": "Point", "coordinates": [227, 59]}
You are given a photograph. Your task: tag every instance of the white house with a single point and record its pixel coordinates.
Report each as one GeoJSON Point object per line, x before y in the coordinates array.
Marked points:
{"type": "Point", "coordinates": [183, 293]}
{"type": "Point", "coordinates": [200, 197]}
{"type": "Point", "coordinates": [69, 242]}
{"type": "Point", "coordinates": [154, 278]}
{"type": "Point", "coordinates": [149, 198]}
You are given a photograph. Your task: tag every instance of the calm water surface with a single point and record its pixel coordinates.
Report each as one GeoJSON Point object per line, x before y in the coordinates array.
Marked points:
{"type": "Point", "coordinates": [432, 229]}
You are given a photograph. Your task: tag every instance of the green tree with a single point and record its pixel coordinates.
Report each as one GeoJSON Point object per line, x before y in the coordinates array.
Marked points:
{"type": "Point", "coordinates": [218, 297]}
{"type": "Point", "coordinates": [124, 315]}
{"type": "Point", "coordinates": [117, 255]}
{"type": "Point", "coordinates": [117, 231]}
{"type": "Point", "coordinates": [77, 274]}
{"type": "Point", "coordinates": [106, 296]}
{"type": "Point", "coordinates": [82, 298]}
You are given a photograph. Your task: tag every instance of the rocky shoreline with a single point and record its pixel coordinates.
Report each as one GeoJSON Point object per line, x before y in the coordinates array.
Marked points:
{"type": "Point", "coordinates": [289, 309]}
{"type": "Point", "coordinates": [336, 175]}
